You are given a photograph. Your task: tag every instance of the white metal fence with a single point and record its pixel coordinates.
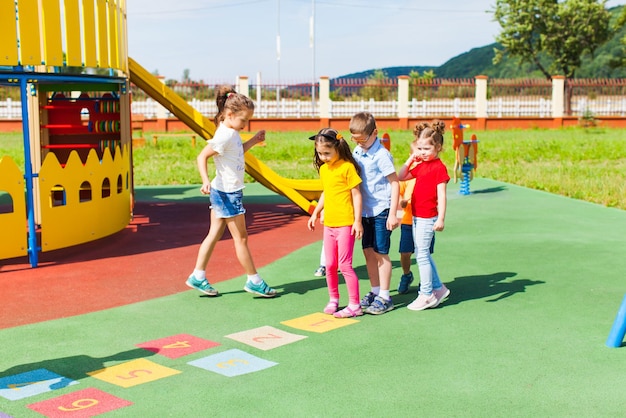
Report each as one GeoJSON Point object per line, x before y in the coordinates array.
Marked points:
{"type": "Point", "coordinates": [285, 108]}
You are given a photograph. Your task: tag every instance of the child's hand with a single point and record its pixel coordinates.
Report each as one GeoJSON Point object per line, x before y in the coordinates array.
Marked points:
{"type": "Point", "coordinates": [438, 226]}
{"type": "Point", "coordinates": [357, 229]}
{"type": "Point", "coordinates": [392, 221]}
{"type": "Point", "coordinates": [206, 188]}
{"type": "Point", "coordinates": [403, 203]}
{"type": "Point", "coordinates": [311, 223]}
{"type": "Point", "coordinates": [258, 137]}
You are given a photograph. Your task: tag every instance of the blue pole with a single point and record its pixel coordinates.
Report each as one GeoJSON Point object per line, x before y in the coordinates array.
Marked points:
{"type": "Point", "coordinates": [28, 177]}
{"type": "Point", "coordinates": [616, 336]}
{"type": "Point", "coordinates": [465, 183]}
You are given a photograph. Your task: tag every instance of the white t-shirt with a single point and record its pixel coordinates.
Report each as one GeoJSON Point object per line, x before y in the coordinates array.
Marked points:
{"type": "Point", "coordinates": [229, 161]}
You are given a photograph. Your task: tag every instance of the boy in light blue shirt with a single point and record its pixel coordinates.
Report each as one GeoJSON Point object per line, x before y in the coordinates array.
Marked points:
{"type": "Point", "coordinates": [380, 191]}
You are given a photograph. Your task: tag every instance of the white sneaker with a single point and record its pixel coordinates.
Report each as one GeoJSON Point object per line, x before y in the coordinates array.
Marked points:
{"type": "Point", "coordinates": [441, 294]}
{"type": "Point", "coordinates": [423, 302]}
{"type": "Point", "coordinates": [320, 272]}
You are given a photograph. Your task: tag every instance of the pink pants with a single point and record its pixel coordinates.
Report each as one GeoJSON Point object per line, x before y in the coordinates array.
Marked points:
{"type": "Point", "coordinates": [339, 248]}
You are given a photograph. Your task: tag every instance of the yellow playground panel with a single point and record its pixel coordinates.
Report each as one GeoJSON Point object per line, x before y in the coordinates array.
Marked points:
{"type": "Point", "coordinates": [77, 178]}
{"type": "Point", "coordinates": [77, 183]}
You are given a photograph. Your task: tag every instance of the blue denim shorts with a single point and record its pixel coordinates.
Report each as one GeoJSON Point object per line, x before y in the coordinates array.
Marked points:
{"type": "Point", "coordinates": [227, 205]}
{"type": "Point", "coordinates": [407, 245]}
{"type": "Point", "coordinates": [375, 233]}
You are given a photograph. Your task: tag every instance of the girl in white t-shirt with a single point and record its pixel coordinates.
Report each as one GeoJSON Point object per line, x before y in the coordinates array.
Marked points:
{"type": "Point", "coordinates": [226, 190]}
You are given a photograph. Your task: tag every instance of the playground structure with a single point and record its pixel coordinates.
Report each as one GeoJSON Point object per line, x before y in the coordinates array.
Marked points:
{"type": "Point", "coordinates": [70, 62]}
{"type": "Point", "coordinates": [466, 156]}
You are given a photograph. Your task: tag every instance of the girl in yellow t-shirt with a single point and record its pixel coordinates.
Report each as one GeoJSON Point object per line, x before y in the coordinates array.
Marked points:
{"type": "Point", "coordinates": [341, 202]}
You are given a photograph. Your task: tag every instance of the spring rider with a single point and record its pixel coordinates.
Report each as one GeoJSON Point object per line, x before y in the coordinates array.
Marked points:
{"type": "Point", "coordinates": [466, 153]}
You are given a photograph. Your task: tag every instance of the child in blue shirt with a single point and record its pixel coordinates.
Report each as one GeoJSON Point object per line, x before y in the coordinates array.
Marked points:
{"type": "Point", "coordinates": [380, 191]}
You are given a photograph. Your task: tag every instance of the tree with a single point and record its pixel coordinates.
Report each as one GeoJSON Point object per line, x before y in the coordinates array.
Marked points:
{"type": "Point", "coordinates": [553, 35]}
{"type": "Point", "coordinates": [376, 86]}
{"type": "Point", "coordinates": [620, 23]}
{"type": "Point", "coordinates": [186, 78]}
{"type": "Point", "coordinates": [416, 81]}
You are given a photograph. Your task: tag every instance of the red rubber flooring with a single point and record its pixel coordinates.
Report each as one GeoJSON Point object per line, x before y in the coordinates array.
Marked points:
{"type": "Point", "coordinates": [150, 258]}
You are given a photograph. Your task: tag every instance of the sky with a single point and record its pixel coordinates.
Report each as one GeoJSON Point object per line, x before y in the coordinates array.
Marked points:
{"type": "Point", "coordinates": [218, 40]}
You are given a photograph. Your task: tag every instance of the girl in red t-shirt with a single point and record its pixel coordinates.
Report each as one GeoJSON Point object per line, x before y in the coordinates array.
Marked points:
{"type": "Point", "coordinates": [428, 206]}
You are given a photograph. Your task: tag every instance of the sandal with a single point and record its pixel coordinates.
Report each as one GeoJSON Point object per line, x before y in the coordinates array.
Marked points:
{"type": "Point", "coordinates": [331, 307]}
{"type": "Point", "coordinates": [348, 312]}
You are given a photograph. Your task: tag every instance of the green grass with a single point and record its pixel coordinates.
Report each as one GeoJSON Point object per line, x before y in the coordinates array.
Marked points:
{"type": "Point", "coordinates": [586, 164]}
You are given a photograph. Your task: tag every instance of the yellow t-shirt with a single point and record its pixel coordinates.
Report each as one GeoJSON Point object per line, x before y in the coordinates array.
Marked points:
{"type": "Point", "coordinates": [338, 179]}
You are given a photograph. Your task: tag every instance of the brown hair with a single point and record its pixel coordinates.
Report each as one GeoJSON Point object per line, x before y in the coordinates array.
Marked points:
{"type": "Point", "coordinates": [433, 131]}
{"type": "Point", "coordinates": [331, 138]}
{"type": "Point", "coordinates": [228, 99]}
{"type": "Point", "coordinates": [362, 123]}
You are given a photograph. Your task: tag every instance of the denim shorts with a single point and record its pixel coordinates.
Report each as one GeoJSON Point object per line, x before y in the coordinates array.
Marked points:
{"type": "Point", "coordinates": [375, 233]}
{"type": "Point", "coordinates": [407, 245]}
{"type": "Point", "coordinates": [227, 205]}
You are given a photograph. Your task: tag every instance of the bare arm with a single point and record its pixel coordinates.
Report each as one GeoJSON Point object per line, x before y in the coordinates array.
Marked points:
{"type": "Point", "coordinates": [258, 137]}
{"type": "Point", "coordinates": [316, 213]}
{"type": "Point", "coordinates": [404, 173]}
{"type": "Point", "coordinates": [202, 160]}
{"type": "Point", "coordinates": [441, 207]}
{"type": "Point", "coordinates": [392, 219]}
{"type": "Point", "coordinates": [357, 202]}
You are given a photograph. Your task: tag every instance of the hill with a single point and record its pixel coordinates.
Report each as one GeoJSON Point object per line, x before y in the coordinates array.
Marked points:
{"type": "Point", "coordinates": [479, 61]}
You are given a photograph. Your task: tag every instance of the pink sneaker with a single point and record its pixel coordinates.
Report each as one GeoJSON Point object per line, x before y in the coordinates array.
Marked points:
{"type": "Point", "coordinates": [441, 294]}
{"type": "Point", "coordinates": [423, 302]}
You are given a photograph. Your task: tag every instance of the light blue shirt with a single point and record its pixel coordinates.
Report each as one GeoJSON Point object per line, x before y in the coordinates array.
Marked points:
{"type": "Point", "coordinates": [376, 164]}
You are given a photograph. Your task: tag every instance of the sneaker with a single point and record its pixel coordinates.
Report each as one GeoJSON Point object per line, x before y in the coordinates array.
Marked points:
{"type": "Point", "coordinates": [379, 306]}
{"type": "Point", "coordinates": [441, 294]}
{"type": "Point", "coordinates": [201, 285]}
{"type": "Point", "coordinates": [367, 300]}
{"type": "Point", "coordinates": [261, 289]}
{"type": "Point", "coordinates": [405, 282]}
{"type": "Point", "coordinates": [423, 302]}
{"type": "Point", "coordinates": [320, 272]}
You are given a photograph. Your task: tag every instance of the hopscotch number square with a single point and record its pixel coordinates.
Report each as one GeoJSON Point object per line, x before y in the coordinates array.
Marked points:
{"type": "Point", "coordinates": [265, 338]}
{"type": "Point", "coordinates": [319, 322]}
{"type": "Point", "coordinates": [178, 345]}
{"type": "Point", "coordinates": [81, 404]}
{"type": "Point", "coordinates": [232, 363]}
{"type": "Point", "coordinates": [34, 382]}
{"type": "Point", "coordinates": [133, 373]}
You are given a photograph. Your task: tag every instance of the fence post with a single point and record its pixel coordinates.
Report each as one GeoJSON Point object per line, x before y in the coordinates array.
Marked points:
{"type": "Point", "coordinates": [243, 86]}
{"type": "Point", "coordinates": [324, 101]}
{"type": "Point", "coordinates": [558, 100]}
{"type": "Point", "coordinates": [481, 101]}
{"type": "Point", "coordinates": [403, 102]}
{"type": "Point", "coordinates": [161, 112]}
{"type": "Point", "coordinates": [259, 102]}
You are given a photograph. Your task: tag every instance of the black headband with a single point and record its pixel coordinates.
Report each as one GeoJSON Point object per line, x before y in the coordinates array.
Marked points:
{"type": "Point", "coordinates": [327, 136]}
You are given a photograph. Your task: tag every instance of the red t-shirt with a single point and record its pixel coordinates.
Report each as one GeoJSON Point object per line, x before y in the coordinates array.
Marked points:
{"type": "Point", "coordinates": [428, 175]}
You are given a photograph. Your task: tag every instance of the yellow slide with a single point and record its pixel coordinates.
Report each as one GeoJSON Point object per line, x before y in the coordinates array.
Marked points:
{"type": "Point", "coordinates": [303, 193]}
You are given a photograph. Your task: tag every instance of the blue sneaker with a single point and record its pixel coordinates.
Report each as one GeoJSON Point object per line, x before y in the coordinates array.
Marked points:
{"type": "Point", "coordinates": [201, 285]}
{"type": "Point", "coordinates": [367, 300]}
{"type": "Point", "coordinates": [261, 289]}
{"type": "Point", "coordinates": [405, 282]}
{"type": "Point", "coordinates": [379, 306]}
